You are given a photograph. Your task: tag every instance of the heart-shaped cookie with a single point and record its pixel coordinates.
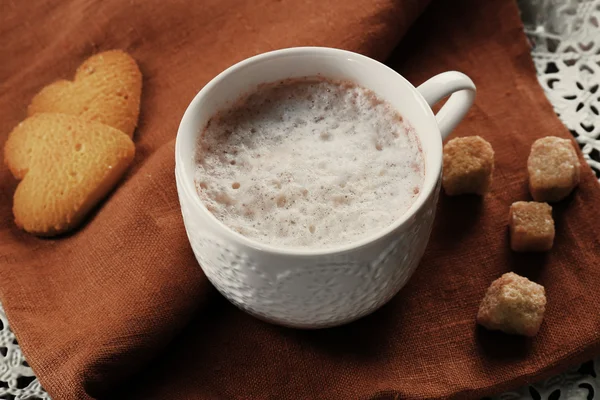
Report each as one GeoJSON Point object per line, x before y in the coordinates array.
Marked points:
{"type": "Point", "coordinates": [107, 89]}
{"type": "Point", "coordinates": [67, 165]}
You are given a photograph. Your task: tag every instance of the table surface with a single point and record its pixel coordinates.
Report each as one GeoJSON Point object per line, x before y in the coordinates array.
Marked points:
{"type": "Point", "coordinates": [565, 39]}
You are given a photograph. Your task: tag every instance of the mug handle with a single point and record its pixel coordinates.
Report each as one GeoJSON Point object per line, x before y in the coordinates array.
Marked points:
{"type": "Point", "coordinates": [462, 94]}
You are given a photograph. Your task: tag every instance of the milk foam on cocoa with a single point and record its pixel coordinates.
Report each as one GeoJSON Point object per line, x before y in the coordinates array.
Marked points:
{"type": "Point", "coordinates": [309, 162]}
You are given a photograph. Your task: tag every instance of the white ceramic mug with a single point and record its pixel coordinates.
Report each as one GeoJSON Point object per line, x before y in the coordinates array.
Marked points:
{"type": "Point", "coordinates": [312, 287]}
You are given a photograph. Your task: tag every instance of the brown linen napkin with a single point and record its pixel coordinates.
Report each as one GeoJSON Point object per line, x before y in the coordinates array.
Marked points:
{"type": "Point", "coordinates": [91, 309]}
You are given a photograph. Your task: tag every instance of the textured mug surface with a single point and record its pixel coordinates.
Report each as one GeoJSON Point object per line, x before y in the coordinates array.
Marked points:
{"type": "Point", "coordinates": [312, 287]}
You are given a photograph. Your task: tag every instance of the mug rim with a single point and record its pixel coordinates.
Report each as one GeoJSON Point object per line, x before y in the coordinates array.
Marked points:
{"type": "Point", "coordinates": [187, 128]}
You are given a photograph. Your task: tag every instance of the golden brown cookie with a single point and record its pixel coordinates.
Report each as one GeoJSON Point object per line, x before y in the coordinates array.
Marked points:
{"type": "Point", "coordinates": [107, 89]}
{"type": "Point", "coordinates": [67, 165]}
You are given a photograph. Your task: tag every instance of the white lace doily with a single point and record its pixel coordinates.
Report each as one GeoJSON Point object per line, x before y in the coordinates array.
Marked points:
{"type": "Point", "coordinates": [17, 381]}
{"type": "Point", "coordinates": [565, 35]}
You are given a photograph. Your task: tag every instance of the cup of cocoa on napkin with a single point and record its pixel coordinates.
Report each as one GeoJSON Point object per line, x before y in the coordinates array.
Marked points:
{"type": "Point", "coordinates": [119, 307]}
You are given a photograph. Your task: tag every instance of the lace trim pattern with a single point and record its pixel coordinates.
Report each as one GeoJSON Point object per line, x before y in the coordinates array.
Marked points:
{"type": "Point", "coordinates": [565, 36]}
{"type": "Point", "coordinates": [17, 381]}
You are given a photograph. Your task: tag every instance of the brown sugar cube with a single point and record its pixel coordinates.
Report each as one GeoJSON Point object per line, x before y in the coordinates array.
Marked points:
{"type": "Point", "coordinates": [553, 168]}
{"type": "Point", "coordinates": [513, 304]}
{"type": "Point", "coordinates": [468, 166]}
{"type": "Point", "coordinates": [531, 226]}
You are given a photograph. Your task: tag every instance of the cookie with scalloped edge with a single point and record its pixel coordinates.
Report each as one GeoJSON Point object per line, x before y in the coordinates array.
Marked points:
{"type": "Point", "coordinates": [66, 165]}
{"type": "Point", "coordinates": [107, 89]}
